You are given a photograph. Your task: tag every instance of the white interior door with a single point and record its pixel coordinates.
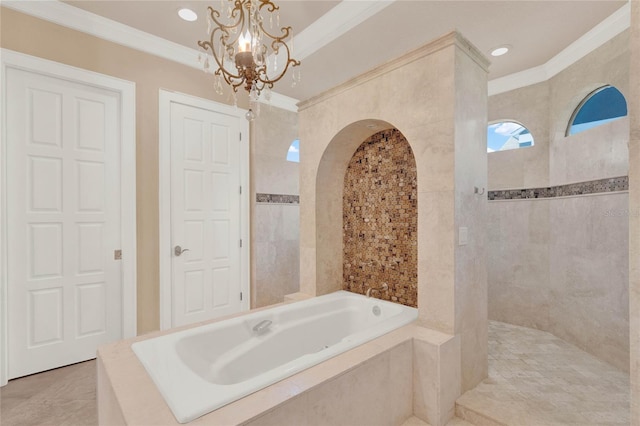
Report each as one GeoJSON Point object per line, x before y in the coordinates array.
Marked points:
{"type": "Point", "coordinates": [205, 214]}
{"type": "Point", "coordinates": [63, 216]}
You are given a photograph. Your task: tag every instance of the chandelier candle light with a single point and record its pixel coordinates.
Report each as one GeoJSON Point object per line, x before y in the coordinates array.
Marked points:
{"type": "Point", "coordinates": [245, 52]}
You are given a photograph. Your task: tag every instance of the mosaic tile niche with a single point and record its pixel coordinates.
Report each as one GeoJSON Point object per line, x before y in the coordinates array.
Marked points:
{"type": "Point", "coordinates": [380, 217]}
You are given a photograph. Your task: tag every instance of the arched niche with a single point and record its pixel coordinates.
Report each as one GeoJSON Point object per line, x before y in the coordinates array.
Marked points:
{"type": "Point", "coordinates": [380, 219]}
{"type": "Point", "coordinates": [329, 190]}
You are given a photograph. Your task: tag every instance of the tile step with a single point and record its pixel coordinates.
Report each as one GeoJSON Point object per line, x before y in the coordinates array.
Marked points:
{"type": "Point", "coordinates": [475, 416]}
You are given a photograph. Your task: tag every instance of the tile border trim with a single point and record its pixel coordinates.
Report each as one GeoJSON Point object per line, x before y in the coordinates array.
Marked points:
{"type": "Point", "coordinates": [616, 184]}
{"type": "Point", "coordinates": [277, 199]}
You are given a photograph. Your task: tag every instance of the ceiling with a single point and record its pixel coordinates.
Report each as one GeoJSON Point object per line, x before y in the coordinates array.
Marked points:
{"type": "Point", "coordinates": [536, 30]}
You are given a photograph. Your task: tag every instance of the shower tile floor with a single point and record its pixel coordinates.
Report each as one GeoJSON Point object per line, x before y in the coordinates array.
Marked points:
{"type": "Point", "coordinates": [537, 379]}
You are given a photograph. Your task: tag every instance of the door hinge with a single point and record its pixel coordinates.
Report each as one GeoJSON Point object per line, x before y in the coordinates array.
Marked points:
{"type": "Point", "coordinates": [240, 189]}
{"type": "Point", "coordinates": [240, 243]}
{"type": "Point", "coordinates": [240, 136]}
{"type": "Point", "coordinates": [240, 296]}
{"type": "Point", "coordinates": [117, 254]}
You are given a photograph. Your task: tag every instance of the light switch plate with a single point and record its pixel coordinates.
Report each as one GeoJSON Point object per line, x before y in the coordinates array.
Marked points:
{"type": "Point", "coordinates": [463, 236]}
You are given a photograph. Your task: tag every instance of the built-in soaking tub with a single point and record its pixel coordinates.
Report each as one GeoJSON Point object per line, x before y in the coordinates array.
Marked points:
{"type": "Point", "coordinates": [201, 369]}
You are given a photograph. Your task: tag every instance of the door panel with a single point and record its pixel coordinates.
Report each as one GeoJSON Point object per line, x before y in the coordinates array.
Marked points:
{"type": "Point", "coordinates": [63, 198]}
{"type": "Point", "coordinates": [205, 214]}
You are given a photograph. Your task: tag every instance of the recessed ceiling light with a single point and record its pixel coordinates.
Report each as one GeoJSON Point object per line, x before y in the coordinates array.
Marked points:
{"type": "Point", "coordinates": [187, 14]}
{"type": "Point", "coordinates": [500, 50]}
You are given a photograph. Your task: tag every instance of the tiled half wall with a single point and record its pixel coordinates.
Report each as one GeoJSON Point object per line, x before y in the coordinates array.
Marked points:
{"type": "Point", "coordinates": [558, 261]}
{"type": "Point", "coordinates": [380, 219]}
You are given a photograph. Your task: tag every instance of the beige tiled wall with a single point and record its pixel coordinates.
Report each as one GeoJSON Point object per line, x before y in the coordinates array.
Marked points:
{"type": "Point", "coordinates": [275, 228]}
{"type": "Point", "coordinates": [436, 379]}
{"type": "Point", "coordinates": [545, 109]}
{"type": "Point", "coordinates": [634, 205]}
{"type": "Point", "coordinates": [380, 219]}
{"type": "Point", "coordinates": [354, 398]}
{"type": "Point", "coordinates": [437, 97]}
{"type": "Point", "coordinates": [601, 152]}
{"type": "Point", "coordinates": [561, 264]}
{"type": "Point", "coordinates": [470, 213]}
{"type": "Point", "coordinates": [527, 167]}
{"type": "Point", "coordinates": [418, 377]}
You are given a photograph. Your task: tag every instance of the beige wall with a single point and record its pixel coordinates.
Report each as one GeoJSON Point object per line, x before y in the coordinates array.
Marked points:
{"type": "Point", "coordinates": [23, 33]}
{"type": "Point", "coordinates": [526, 167]}
{"type": "Point", "coordinates": [275, 227]}
{"type": "Point", "coordinates": [601, 152]}
{"type": "Point", "coordinates": [437, 97]}
{"type": "Point", "coordinates": [634, 207]}
{"type": "Point", "coordinates": [545, 109]}
{"type": "Point", "coordinates": [561, 264]}
{"type": "Point", "coordinates": [470, 165]}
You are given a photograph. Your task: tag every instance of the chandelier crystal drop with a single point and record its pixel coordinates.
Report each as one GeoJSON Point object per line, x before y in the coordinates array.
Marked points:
{"type": "Point", "coordinates": [244, 47]}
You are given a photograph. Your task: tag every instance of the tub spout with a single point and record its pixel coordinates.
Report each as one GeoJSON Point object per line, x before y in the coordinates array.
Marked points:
{"type": "Point", "coordinates": [262, 326]}
{"type": "Point", "coordinates": [383, 287]}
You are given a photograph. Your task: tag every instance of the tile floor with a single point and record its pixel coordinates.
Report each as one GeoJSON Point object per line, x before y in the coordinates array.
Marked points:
{"type": "Point", "coordinates": [64, 396]}
{"type": "Point", "coordinates": [414, 421]}
{"type": "Point", "coordinates": [538, 379]}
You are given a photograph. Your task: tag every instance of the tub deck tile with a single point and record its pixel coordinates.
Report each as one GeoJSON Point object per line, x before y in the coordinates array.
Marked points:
{"type": "Point", "coordinates": [141, 402]}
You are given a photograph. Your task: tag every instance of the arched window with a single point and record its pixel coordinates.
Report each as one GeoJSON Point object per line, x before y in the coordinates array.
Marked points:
{"type": "Point", "coordinates": [600, 106]}
{"type": "Point", "coordinates": [504, 135]}
{"type": "Point", "coordinates": [294, 152]}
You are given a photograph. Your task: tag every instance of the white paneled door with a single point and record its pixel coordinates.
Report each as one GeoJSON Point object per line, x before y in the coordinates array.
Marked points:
{"type": "Point", "coordinates": [205, 214]}
{"type": "Point", "coordinates": [63, 216]}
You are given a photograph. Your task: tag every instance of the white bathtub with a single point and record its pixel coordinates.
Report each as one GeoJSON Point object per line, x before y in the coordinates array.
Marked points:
{"type": "Point", "coordinates": [201, 369]}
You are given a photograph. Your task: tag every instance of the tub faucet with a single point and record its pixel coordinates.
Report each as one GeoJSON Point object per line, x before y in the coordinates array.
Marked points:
{"type": "Point", "coordinates": [262, 326]}
{"type": "Point", "coordinates": [383, 287]}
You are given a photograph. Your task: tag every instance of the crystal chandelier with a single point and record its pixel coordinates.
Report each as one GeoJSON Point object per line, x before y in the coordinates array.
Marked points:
{"type": "Point", "coordinates": [247, 48]}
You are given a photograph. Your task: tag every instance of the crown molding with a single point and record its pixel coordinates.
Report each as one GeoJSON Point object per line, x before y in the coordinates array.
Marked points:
{"type": "Point", "coordinates": [98, 26]}
{"type": "Point", "coordinates": [613, 25]}
{"type": "Point", "coordinates": [342, 18]}
{"type": "Point", "coordinates": [337, 21]}
{"type": "Point", "coordinates": [281, 101]}
{"type": "Point", "coordinates": [472, 51]}
{"type": "Point", "coordinates": [517, 80]}
{"type": "Point", "coordinates": [81, 20]}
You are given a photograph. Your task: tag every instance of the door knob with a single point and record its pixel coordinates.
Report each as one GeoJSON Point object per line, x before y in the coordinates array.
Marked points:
{"type": "Point", "coordinates": [179, 250]}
